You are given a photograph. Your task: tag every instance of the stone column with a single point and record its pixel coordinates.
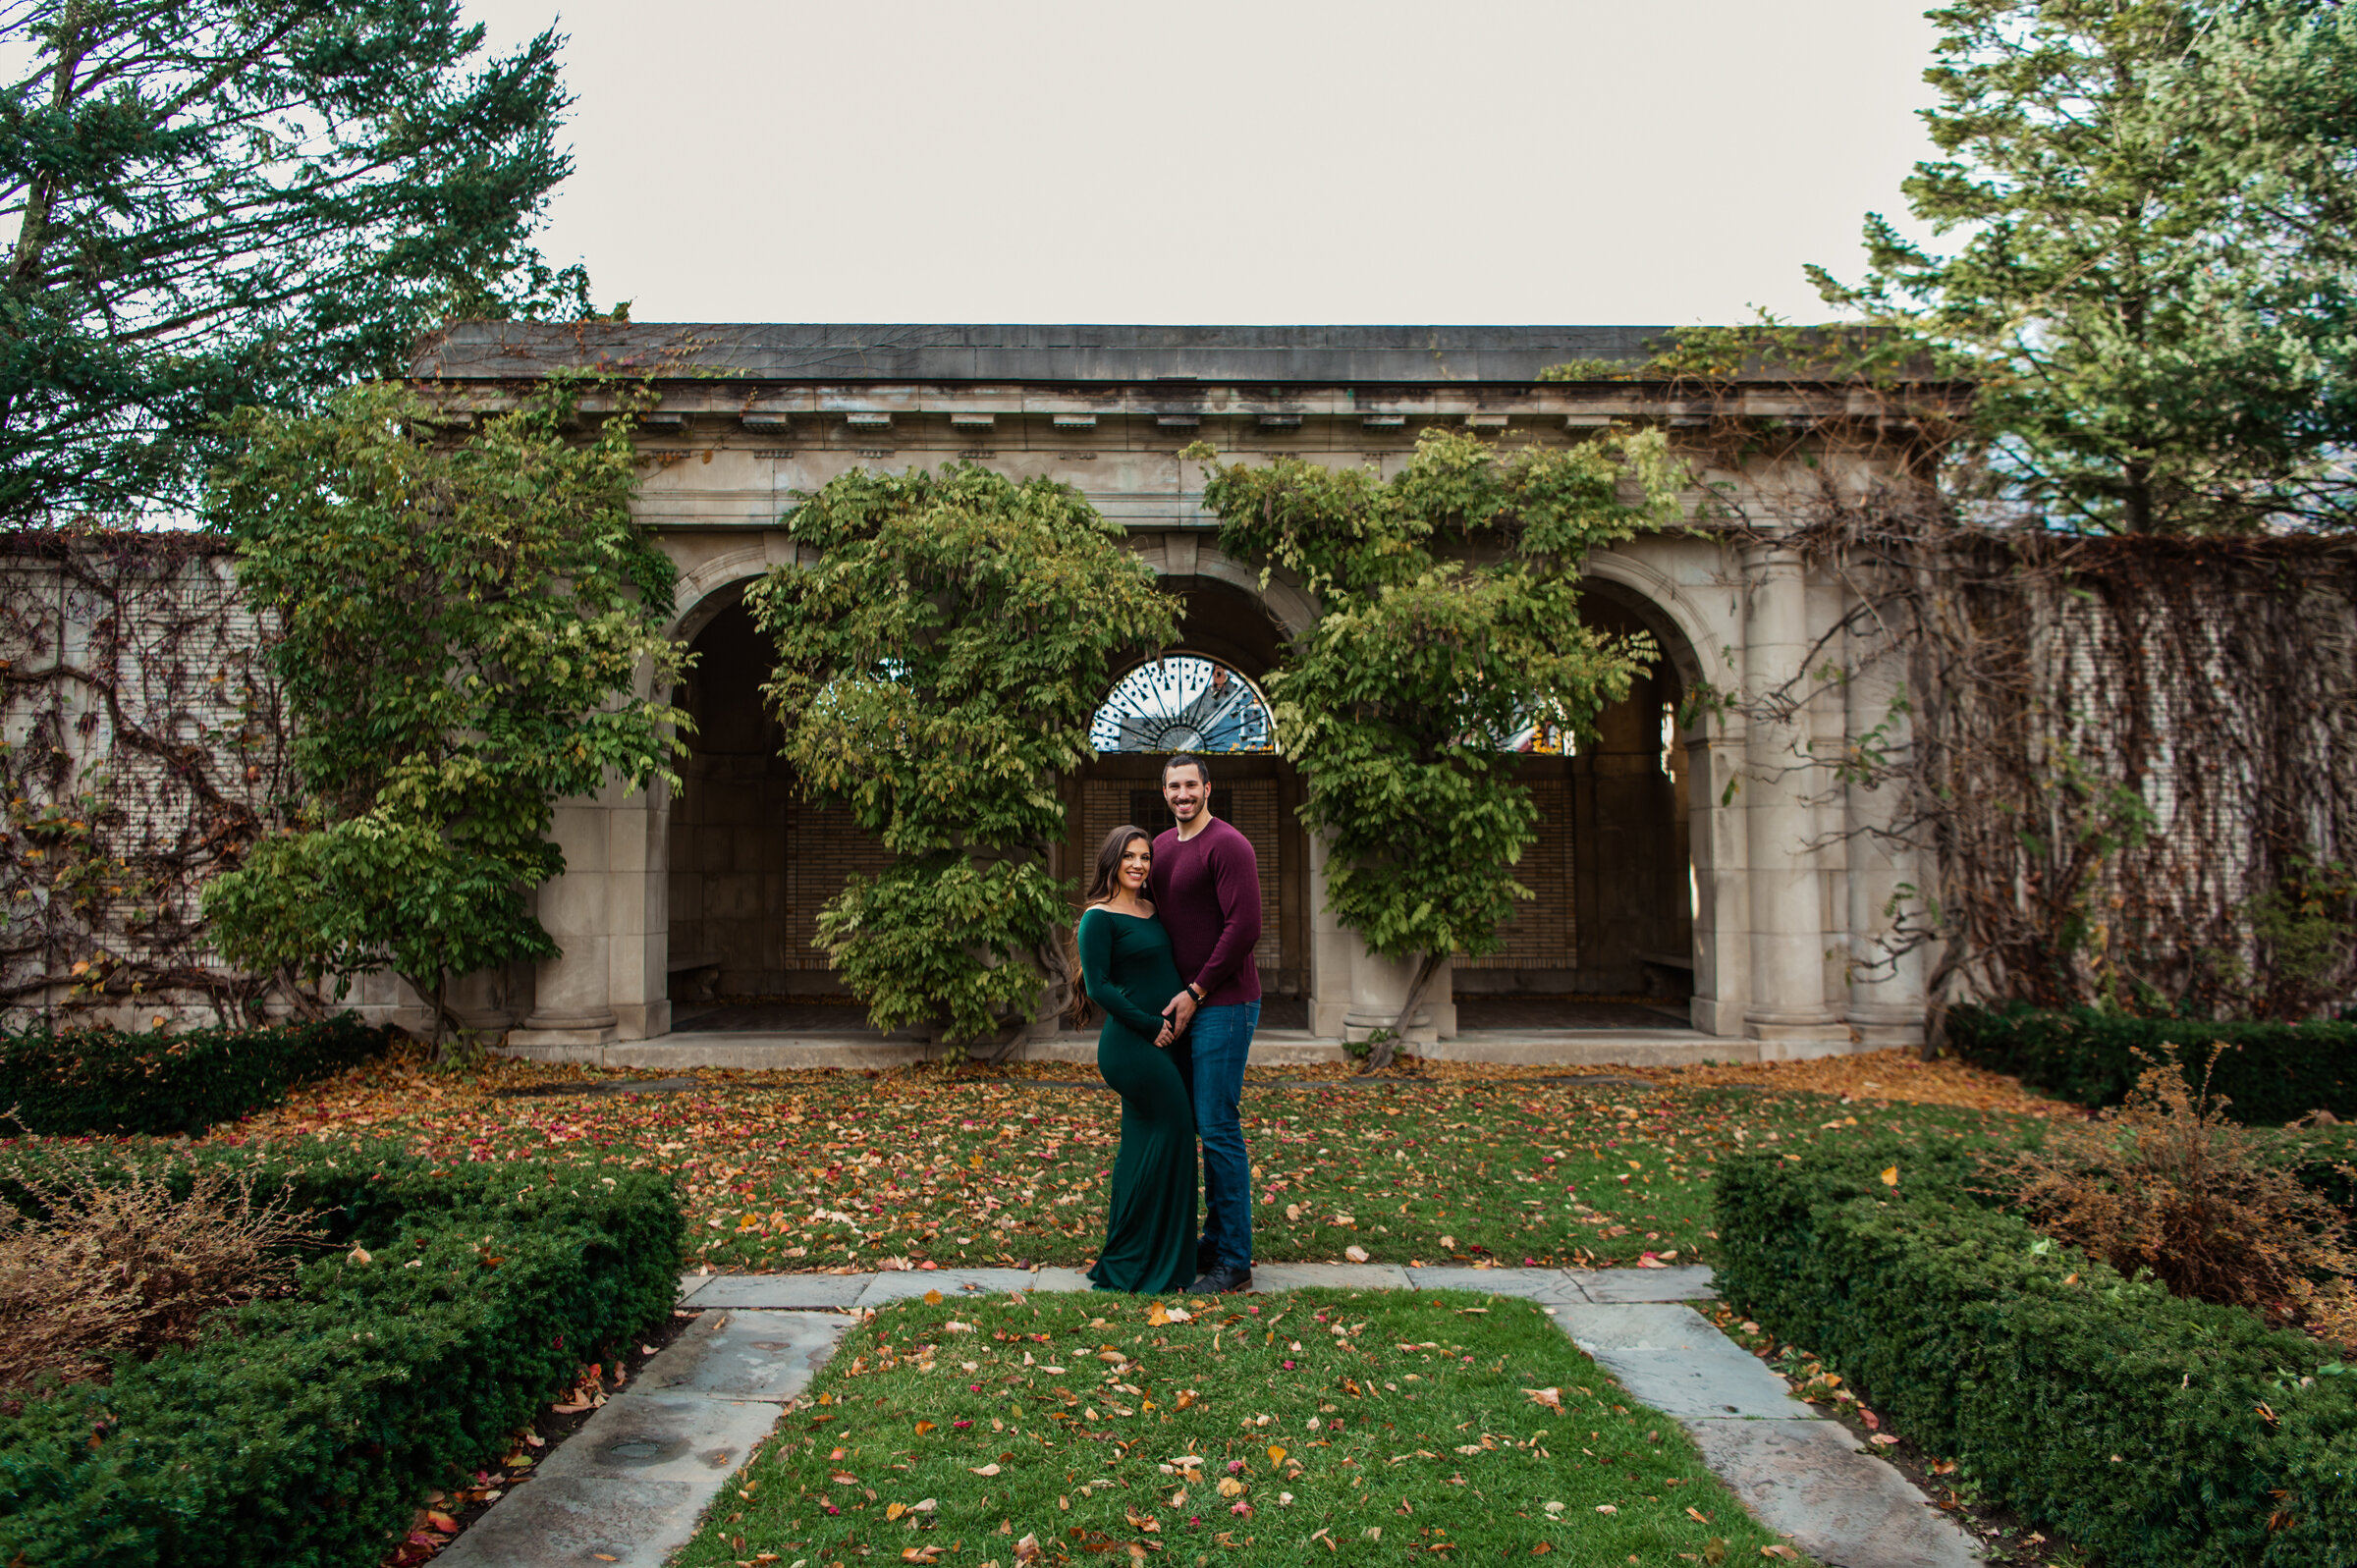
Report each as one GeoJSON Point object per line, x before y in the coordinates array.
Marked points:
{"type": "Point", "coordinates": [1886, 988]}
{"type": "Point", "coordinates": [1717, 839]}
{"type": "Point", "coordinates": [639, 902]}
{"type": "Point", "coordinates": [1379, 985]}
{"type": "Point", "coordinates": [1788, 1010]}
{"type": "Point", "coordinates": [1331, 949]}
{"type": "Point", "coordinates": [572, 994]}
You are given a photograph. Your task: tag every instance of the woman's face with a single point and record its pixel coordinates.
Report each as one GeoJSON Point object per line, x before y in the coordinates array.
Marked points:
{"type": "Point", "coordinates": [1138, 859]}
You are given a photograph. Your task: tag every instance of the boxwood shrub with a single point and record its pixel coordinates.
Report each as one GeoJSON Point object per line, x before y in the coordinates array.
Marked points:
{"type": "Point", "coordinates": [304, 1430]}
{"type": "Point", "coordinates": [160, 1083]}
{"type": "Point", "coordinates": [2157, 1432]}
{"type": "Point", "coordinates": [2274, 1073]}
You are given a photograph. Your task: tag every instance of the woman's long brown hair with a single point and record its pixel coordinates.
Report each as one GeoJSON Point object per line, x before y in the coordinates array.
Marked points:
{"type": "Point", "coordinates": [1108, 868]}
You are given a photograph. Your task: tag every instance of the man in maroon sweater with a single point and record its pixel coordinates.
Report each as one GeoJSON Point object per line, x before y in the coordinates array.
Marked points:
{"type": "Point", "coordinates": [1206, 889]}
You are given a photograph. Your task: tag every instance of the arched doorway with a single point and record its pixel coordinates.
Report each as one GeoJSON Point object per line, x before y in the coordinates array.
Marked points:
{"type": "Point", "coordinates": [752, 860]}
{"type": "Point", "coordinates": [1202, 695]}
{"type": "Point", "coordinates": [1606, 941]}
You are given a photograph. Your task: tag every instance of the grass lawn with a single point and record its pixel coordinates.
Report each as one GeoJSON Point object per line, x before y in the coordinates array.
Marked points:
{"type": "Point", "coordinates": [859, 1171]}
{"type": "Point", "coordinates": [1307, 1427]}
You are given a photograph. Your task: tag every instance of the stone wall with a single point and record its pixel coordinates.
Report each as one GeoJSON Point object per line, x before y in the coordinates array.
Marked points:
{"type": "Point", "coordinates": [144, 750]}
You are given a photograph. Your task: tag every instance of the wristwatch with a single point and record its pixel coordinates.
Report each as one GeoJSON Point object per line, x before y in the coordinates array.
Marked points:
{"type": "Point", "coordinates": [1195, 992]}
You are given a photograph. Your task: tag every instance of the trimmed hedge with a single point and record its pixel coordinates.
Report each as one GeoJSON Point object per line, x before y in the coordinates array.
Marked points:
{"type": "Point", "coordinates": [2274, 1072]}
{"type": "Point", "coordinates": [2157, 1432]}
{"type": "Point", "coordinates": [305, 1432]}
{"type": "Point", "coordinates": [160, 1083]}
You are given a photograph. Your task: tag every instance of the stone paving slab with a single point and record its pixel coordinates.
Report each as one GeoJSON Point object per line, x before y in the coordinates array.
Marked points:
{"type": "Point", "coordinates": [1681, 1282]}
{"type": "Point", "coordinates": [660, 1436]}
{"type": "Point", "coordinates": [745, 1355]}
{"type": "Point", "coordinates": [774, 1292]}
{"type": "Point", "coordinates": [628, 1487]}
{"type": "Point", "coordinates": [1529, 1285]}
{"type": "Point", "coordinates": [1669, 1357]}
{"type": "Point", "coordinates": [901, 1285]}
{"type": "Point", "coordinates": [1062, 1280]}
{"type": "Point", "coordinates": [1806, 1480]}
{"type": "Point", "coordinates": [1268, 1277]}
{"type": "Point", "coordinates": [575, 1520]}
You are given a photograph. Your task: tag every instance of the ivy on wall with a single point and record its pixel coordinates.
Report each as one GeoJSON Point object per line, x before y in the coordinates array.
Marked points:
{"type": "Point", "coordinates": [146, 743]}
{"type": "Point", "coordinates": [939, 660]}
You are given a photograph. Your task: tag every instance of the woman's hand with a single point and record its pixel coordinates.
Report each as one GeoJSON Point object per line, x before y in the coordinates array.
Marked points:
{"type": "Point", "coordinates": [1161, 1041]}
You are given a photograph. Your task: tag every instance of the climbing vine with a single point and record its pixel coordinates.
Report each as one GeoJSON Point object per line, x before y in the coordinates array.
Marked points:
{"type": "Point", "coordinates": [2120, 760]}
{"type": "Point", "coordinates": [1450, 599]}
{"type": "Point", "coordinates": [146, 741]}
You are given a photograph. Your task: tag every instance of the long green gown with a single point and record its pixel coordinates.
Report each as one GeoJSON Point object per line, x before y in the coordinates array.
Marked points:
{"type": "Point", "coordinates": [1150, 1225]}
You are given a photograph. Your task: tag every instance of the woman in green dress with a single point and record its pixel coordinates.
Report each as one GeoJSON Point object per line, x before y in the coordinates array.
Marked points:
{"type": "Point", "coordinates": [1126, 969]}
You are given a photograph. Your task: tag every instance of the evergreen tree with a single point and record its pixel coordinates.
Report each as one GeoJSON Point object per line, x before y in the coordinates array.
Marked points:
{"type": "Point", "coordinates": [2154, 289]}
{"type": "Point", "coordinates": [227, 203]}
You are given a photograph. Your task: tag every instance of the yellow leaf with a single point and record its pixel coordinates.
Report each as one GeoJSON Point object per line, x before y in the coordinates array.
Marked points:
{"type": "Point", "coordinates": [1276, 1455]}
{"type": "Point", "coordinates": [1891, 1177]}
{"type": "Point", "coordinates": [924, 1426]}
{"type": "Point", "coordinates": [893, 1510]}
{"type": "Point", "coordinates": [1157, 1315]}
{"type": "Point", "coordinates": [932, 1298]}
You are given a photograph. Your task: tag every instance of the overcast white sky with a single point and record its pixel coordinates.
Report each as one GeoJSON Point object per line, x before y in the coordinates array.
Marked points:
{"type": "Point", "coordinates": [1592, 161]}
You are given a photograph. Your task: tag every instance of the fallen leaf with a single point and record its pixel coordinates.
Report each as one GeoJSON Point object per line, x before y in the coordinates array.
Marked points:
{"type": "Point", "coordinates": [1698, 1516]}
{"type": "Point", "coordinates": [1145, 1522]}
{"type": "Point", "coordinates": [1275, 1454]}
{"type": "Point", "coordinates": [1027, 1549]}
{"type": "Point", "coordinates": [924, 1427]}
{"type": "Point", "coordinates": [1542, 1548]}
{"type": "Point", "coordinates": [1355, 1253]}
{"type": "Point", "coordinates": [1882, 1440]}
{"type": "Point", "coordinates": [442, 1520]}
{"type": "Point", "coordinates": [360, 1255]}
{"type": "Point", "coordinates": [1552, 1398]}
{"type": "Point", "coordinates": [1891, 1177]}
{"type": "Point", "coordinates": [1713, 1551]}
{"type": "Point", "coordinates": [893, 1510]}
{"type": "Point", "coordinates": [932, 1298]}
{"type": "Point", "coordinates": [984, 1470]}
{"type": "Point", "coordinates": [1158, 1315]}
{"type": "Point", "coordinates": [925, 1554]}
{"type": "Point", "coordinates": [1606, 1508]}
{"type": "Point", "coordinates": [842, 1478]}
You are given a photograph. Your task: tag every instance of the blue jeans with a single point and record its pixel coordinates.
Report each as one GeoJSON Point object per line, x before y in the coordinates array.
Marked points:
{"type": "Point", "coordinates": [1222, 1038]}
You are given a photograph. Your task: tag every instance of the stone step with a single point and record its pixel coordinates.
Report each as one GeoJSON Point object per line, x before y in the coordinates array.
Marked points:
{"type": "Point", "coordinates": [1271, 1047]}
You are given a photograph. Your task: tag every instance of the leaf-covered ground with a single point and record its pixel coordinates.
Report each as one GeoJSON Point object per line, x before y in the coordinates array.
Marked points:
{"type": "Point", "coordinates": [861, 1171]}
{"type": "Point", "coordinates": [1309, 1428]}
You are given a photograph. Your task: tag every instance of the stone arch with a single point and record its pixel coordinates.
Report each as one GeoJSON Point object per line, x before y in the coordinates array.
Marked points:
{"type": "Point", "coordinates": [1715, 830]}
{"type": "Point", "coordinates": [1676, 621]}
{"type": "Point", "coordinates": [710, 586]}
{"type": "Point", "coordinates": [1191, 555]}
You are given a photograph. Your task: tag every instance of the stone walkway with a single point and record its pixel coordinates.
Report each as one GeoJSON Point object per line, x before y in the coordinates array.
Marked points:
{"type": "Point", "coordinates": [629, 1486]}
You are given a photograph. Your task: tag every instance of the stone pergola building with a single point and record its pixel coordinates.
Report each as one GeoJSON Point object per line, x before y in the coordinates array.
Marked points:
{"type": "Point", "coordinates": [1718, 867]}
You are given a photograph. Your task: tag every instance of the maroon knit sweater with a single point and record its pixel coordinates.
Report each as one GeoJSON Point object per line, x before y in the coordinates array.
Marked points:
{"type": "Point", "coordinates": [1206, 889]}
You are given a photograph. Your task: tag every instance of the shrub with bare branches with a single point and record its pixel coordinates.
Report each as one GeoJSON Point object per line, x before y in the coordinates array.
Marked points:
{"type": "Point", "coordinates": [2164, 1185]}
{"type": "Point", "coordinates": [111, 1264]}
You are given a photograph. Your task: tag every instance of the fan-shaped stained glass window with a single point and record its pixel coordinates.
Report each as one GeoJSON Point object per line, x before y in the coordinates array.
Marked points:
{"type": "Point", "coordinates": [1184, 702]}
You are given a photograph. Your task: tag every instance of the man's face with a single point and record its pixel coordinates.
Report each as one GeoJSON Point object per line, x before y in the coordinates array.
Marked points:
{"type": "Point", "coordinates": [1183, 792]}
